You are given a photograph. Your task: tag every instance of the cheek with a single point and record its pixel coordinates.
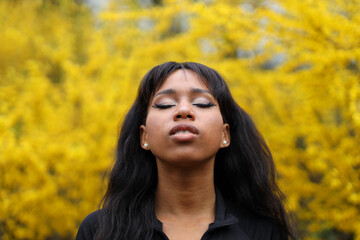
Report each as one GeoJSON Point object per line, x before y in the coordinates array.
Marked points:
{"type": "Point", "coordinates": [215, 127]}
{"type": "Point", "coordinates": [216, 120]}
{"type": "Point", "coordinates": [154, 127]}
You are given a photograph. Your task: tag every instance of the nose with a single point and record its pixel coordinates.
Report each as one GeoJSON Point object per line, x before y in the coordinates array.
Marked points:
{"type": "Point", "coordinates": [184, 111]}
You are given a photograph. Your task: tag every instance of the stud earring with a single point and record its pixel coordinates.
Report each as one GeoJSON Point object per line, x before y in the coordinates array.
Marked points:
{"type": "Point", "coordinates": [146, 145]}
{"type": "Point", "coordinates": [224, 142]}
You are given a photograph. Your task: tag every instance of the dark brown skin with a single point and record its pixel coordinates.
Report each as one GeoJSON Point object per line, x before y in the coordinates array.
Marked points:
{"type": "Point", "coordinates": [185, 195]}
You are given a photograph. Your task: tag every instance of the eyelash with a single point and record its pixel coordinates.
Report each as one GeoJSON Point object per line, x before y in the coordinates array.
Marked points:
{"type": "Point", "coordinates": [160, 106]}
{"type": "Point", "coordinates": [200, 105]}
{"type": "Point", "coordinates": [204, 105]}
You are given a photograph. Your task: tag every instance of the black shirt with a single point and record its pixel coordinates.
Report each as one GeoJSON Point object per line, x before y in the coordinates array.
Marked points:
{"type": "Point", "coordinates": [229, 224]}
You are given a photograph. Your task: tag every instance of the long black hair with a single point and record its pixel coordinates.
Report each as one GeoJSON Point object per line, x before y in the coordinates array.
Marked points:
{"type": "Point", "coordinates": [244, 171]}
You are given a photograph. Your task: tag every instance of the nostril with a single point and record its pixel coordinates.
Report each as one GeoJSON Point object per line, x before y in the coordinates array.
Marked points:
{"type": "Point", "coordinates": [184, 115]}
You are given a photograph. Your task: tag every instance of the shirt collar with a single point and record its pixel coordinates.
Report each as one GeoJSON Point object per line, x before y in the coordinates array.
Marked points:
{"type": "Point", "coordinates": [222, 216]}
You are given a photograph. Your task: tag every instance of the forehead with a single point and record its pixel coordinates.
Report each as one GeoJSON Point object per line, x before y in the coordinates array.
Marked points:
{"type": "Point", "coordinates": [183, 79]}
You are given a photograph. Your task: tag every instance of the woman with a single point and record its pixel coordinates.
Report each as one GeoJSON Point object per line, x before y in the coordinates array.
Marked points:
{"type": "Point", "coordinates": [190, 164]}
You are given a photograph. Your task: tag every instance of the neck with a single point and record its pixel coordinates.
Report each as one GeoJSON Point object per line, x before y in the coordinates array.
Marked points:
{"type": "Point", "coordinates": [185, 192]}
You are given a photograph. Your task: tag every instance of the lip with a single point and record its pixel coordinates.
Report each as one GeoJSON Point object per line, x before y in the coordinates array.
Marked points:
{"type": "Point", "coordinates": [184, 137]}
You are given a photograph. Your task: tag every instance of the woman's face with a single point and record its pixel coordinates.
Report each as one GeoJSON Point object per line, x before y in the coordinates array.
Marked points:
{"type": "Point", "coordinates": [184, 125]}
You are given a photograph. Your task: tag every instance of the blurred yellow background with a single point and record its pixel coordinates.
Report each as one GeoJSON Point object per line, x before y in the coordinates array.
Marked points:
{"type": "Point", "coordinates": [69, 73]}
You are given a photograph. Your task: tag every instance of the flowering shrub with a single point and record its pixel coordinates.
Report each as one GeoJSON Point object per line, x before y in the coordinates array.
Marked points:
{"type": "Point", "coordinates": [67, 78]}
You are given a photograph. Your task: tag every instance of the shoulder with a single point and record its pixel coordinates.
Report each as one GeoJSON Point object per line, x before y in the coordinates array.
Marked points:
{"type": "Point", "coordinates": [89, 226]}
{"type": "Point", "coordinates": [256, 226]}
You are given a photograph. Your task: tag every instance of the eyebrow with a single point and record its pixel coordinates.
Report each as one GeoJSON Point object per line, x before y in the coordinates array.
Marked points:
{"type": "Point", "coordinates": [192, 90]}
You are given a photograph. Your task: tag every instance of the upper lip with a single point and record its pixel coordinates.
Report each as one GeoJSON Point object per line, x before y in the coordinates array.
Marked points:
{"type": "Point", "coordinates": [184, 127]}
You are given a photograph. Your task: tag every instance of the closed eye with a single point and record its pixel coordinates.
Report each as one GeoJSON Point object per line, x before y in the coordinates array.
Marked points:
{"type": "Point", "coordinates": [204, 105]}
{"type": "Point", "coordinates": [163, 106]}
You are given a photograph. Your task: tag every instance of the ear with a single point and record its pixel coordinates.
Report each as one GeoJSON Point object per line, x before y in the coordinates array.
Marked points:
{"type": "Point", "coordinates": [225, 141]}
{"type": "Point", "coordinates": [143, 138]}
